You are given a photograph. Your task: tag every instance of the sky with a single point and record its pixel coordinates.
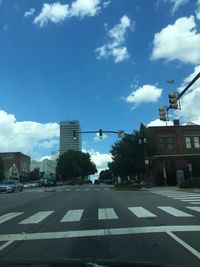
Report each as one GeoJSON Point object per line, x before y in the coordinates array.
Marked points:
{"type": "Point", "coordinates": [103, 62]}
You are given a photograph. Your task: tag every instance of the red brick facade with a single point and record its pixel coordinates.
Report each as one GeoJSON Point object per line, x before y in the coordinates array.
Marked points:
{"type": "Point", "coordinates": [177, 146]}
{"type": "Point", "coordinates": [21, 161]}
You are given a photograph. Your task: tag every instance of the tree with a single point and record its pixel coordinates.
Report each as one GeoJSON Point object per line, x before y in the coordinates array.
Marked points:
{"type": "Point", "coordinates": [34, 174]}
{"type": "Point", "coordinates": [74, 164]}
{"type": "Point", "coordinates": [105, 175]}
{"type": "Point", "coordinates": [129, 155]}
{"type": "Point", "coordinates": [1, 169]}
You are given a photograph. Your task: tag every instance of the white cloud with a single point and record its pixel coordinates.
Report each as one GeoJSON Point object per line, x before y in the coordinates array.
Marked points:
{"type": "Point", "coordinates": [29, 13]}
{"type": "Point", "coordinates": [24, 136]}
{"type": "Point", "coordinates": [158, 122]}
{"type": "Point", "coordinates": [190, 100]}
{"type": "Point", "coordinates": [45, 157]}
{"type": "Point", "coordinates": [48, 144]}
{"type": "Point", "coordinates": [57, 12]}
{"type": "Point", "coordinates": [97, 139]}
{"type": "Point", "coordinates": [100, 159]}
{"type": "Point", "coordinates": [179, 41]}
{"type": "Point", "coordinates": [198, 10]}
{"type": "Point", "coordinates": [82, 8]}
{"type": "Point", "coordinates": [177, 4]}
{"type": "Point", "coordinates": [116, 45]}
{"type": "Point", "coordinates": [146, 93]}
{"type": "Point", "coordinates": [54, 12]}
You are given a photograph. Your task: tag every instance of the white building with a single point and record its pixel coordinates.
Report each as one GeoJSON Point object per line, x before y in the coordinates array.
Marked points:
{"type": "Point", "coordinates": [67, 142]}
{"type": "Point", "coordinates": [46, 167]}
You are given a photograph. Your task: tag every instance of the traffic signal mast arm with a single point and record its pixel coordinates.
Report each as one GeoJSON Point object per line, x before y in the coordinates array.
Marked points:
{"type": "Point", "coordinates": [186, 88]}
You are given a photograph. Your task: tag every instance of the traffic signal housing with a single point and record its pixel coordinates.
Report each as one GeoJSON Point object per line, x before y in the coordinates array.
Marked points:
{"type": "Point", "coordinates": [163, 113]}
{"type": "Point", "coordinates": [74, 135]}
{"type": "Point", "coordinates": [100, 134]}
{"type": "Point", "coordinates": [173, 100]}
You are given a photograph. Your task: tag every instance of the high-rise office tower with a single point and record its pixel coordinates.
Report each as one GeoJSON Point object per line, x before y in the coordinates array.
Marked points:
{"type": "Point", "coordinates": [67, 139]}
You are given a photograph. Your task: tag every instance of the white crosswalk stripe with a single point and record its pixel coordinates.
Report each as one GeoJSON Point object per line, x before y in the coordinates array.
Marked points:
{"type": "Point", "coordinates": [103, 214]}
{"type": "Point", "coordinates": [192, 198]}
{"type": "Point", "coordinates": [72, 216]}
{"type": "Point", "coordinates": [140, 212]}
{"type": "Point", "coordinates": [37, 217]}
{"type": "Point", "coordinates": [107, 214]}
{"type": "Point", "coordinates": [175, 212]}
{"type": "Point", "coordinates": [9, 216]}
{"type": "Point", "coordinates": [194, 208]}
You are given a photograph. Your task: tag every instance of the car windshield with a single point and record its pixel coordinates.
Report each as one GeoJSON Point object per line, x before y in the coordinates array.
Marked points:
{"type": "Point", "coordinates": [100, 132]}
{"type": "Point", "coordinates": [8, 182]}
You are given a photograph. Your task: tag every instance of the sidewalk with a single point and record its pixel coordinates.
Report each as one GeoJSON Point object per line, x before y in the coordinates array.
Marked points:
{"type": "Point", "coordinates": [173, 188]}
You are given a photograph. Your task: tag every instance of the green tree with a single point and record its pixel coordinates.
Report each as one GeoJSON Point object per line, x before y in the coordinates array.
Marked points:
{"type": "Point", "coordinates": [1, 169]}
{"type": "Point", "coordinates": [105, 175]}
{"type": "Point", "coordinates": [129, 155]}
{"type": "Point", "coordinates": [74, 164]}
{"type": "Point", "coordinates": [34, 174]}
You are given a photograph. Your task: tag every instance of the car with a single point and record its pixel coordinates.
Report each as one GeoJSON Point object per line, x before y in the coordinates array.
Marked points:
{"type": "Point", "coordinates": [96, 181]}
{"type": "Point", "coordinates": [10, 186]}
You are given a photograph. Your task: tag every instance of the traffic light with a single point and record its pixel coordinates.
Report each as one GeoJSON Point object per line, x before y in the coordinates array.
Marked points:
{"type": "Point", "coordinates": [163, 113]}
{"type": "Point", "coordinates": [74, 135]}
{"type": "Point", "coordinates": [173, 100]}
{"type": "Point", "coordinates": [100, 134]}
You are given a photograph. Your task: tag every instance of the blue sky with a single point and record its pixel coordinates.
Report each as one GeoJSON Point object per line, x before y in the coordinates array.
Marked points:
{"type": "Point", "coordinates": [103, 62]}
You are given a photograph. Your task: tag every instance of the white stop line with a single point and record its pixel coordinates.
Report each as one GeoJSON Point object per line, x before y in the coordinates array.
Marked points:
{"type": "Point", "coordinates": [169, 230]}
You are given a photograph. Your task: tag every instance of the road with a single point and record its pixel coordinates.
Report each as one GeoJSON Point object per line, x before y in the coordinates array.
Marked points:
{"type": "Point", "coordinates": [97, 222]}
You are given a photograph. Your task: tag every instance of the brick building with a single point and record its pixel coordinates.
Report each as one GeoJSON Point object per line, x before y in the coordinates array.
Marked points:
{"type": "Point", "coordinates": [178, 152]}
{"type": "Point", "coordinates": [19, 161]}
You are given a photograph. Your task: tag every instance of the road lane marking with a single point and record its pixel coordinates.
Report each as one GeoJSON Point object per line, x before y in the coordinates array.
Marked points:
{"type": "Point", "coordinates": [97, 189]}
{"type": "Point", "coordinates": [9, 216]}
{"type": "Point", "coordinates": [99, 232]}
{"type": "Point", "coordinates": [194, 203]}
{"type": "Point", "coordinates": [72, 216]}
{"type": "Point", "coordinates": [87, 189]}
{"type": "Point", "coordinates": [175, 212]}
{"type": "Point", "coordinates": [194, 208]}
{"type": "Point", "coordinates": [37, 217]}
{"type": "Point", "coordinates": [106, 189]}
{"type": "Point", "coordinates": [185, 245]}
{"type": "Point", "coordinates": [194, 200]}
{"type": "Point", "coordinates": [141, 212]}
{"type": "Point", "coordinates": [77, 189]}
{"type": "Point", "coordinates": [107, 214]}
{"type": "Point", "coordinates": [188, 197]}
{"type": "Point", "coordinates": [67, 190]}
{"type": "Point", "coordinates": [5, 245]}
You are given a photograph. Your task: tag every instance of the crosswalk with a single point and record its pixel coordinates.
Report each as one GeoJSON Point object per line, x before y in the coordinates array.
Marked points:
{"type": "Point", "coordinates": [65, 190]}
{"type": "Point", "coordinates": [191, 198]}
{"type": "Point", "coordinates": [76, 215]}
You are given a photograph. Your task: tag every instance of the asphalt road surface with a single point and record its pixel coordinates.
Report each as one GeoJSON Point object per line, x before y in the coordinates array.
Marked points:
{"type": "Point", "coordinates": [97, 222]}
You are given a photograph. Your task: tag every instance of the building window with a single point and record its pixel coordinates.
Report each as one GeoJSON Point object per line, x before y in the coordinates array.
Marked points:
{"type": "Point", "coordinates": [169, 143]}
{"type": "Point", "coordinates": [196, 142]}
{"type": "Point", "coordinates": [161, 143]}
{"type": "Point", "coordinates": [188, 142]}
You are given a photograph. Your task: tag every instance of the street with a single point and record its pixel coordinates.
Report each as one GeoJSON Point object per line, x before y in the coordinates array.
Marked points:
{"type": "Point", "coordinates": [97, 222]}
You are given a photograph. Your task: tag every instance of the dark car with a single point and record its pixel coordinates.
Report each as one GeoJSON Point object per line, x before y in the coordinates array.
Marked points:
{"type": "Point", "coordinates": [96, 181]}
{"type": "Point", "coordinates": [10, 186]}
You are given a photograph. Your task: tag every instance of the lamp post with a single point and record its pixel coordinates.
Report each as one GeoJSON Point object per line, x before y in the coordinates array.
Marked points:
{"type": "Point", "coordinates": [146, 162]}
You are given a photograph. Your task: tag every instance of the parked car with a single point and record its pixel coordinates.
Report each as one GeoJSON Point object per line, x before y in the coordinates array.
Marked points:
{"type": "Point", "coordinates": [26, 185]}
{"type": "Point", "coordinates": [96, 181]}
{"type": "Point", "coordinates": [10, 186]}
